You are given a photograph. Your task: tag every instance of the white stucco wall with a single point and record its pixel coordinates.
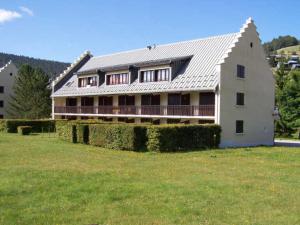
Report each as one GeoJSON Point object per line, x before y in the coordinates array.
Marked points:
{"type": "Point", "coordinates": [258, 88]}
{"type": "Point", "coordinates": [7, 79]}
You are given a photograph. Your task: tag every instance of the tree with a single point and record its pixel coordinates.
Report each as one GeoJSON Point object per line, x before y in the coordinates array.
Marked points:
{"type": "Point", "coordinates": [31, 98]}
{"type": "Point", "coordinates": [290, 101]}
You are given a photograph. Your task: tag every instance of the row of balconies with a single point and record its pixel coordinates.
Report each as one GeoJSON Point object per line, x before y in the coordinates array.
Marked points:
{"type": "Point", "coordinates": [158, 110]}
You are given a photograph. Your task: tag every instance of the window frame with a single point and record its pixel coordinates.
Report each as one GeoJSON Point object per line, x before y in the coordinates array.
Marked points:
{"type": "Point", "coordinates": [240, 71]}
{"type": "Point", "coordinates": [87, 79]}
{"type": "Point", "coordinates": [239, 127]}
{"type": "Point", "coordinates": [240, 99]}
{"type": "Point", "coordinates": [117, 78]}
{"type": "Point", "coordinates": [156, 74]}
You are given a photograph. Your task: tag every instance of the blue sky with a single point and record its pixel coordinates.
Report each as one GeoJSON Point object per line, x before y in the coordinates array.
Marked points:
{"type": "Point", "coordinates": [62, 29]}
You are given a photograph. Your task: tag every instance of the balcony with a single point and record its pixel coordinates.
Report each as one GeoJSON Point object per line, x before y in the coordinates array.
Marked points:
{"type": "Point", "coordinates": [151, 110]}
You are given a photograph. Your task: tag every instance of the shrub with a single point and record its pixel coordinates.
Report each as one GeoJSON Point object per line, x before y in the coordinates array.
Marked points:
{"type": "Point", "coordinates": [24, 130]}
{"type": "Point", "coordinates": [166, 138]}
{"type": "Point", "coordinates": [118, 136]}
{"type": "Point", "coordinates": [82, 131]}
{"type": "Point", "coordinates": [2, 125]}
{"type": "Point", "coordinates": [66, 130]}
{"type": "Point", "coordinates": [11, 125]}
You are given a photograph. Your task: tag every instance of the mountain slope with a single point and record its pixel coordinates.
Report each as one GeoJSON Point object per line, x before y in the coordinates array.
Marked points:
{"type": "Point", "coordinates": [52, 68]}
{"type": "Point", "coordinates": [290, 50]}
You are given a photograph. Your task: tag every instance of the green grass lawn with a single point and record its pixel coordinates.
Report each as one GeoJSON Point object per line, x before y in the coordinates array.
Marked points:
{"type": "Point", "coordinates": [47, 181]}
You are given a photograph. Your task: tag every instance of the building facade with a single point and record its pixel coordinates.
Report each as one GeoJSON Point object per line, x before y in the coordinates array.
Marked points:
{"type": "Point", "coordinates": [222, 79]}
{"type": "Point", "coordinates": [8, 75]}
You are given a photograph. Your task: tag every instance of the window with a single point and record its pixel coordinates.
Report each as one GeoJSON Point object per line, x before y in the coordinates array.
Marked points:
{"type": "Point", "coordinates": [240, 98]}
{"type": "Point", "coordinates": [87, 81]}
{"type": "Point", "coordinates": [113, 79]}
{"type": "Point", "coordinates": [1, 116]}
{"type": "Point", "coordinates": [71, 101]}
{"type": "Point", "coordinates": [207, 98]}
{"type": "Point", "coordinates": [1, 89]}
{"type": "Point", "coordinates": [150, 100]}
{"type": "Point", "coordinates": [240, 71]}
{"type": "Point", "coordinates": [239, 126]}
{"type": "Point", "coordinates": [10, 74]}
{"type": "Point", "coordinates": [251, 44]}
{"type": "Point", "coordinates": [105, 100]}
{"type": "Point", "coordinates": [1, 104]}
{"type": "Point", "coordinates": [178, 99]}
{"type": "Point", "coordinates": [155, 75]}
{"type": "Point", "coordinates": [126, 100]}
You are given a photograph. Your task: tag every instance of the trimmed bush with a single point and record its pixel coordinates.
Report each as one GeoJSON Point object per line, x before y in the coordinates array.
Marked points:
{"type": "Point", "coordinates": [167, 138]}
{"type": "Point", "coordinates": [24, 130]}
{"type": "Point", "coordinates": [82, 131]}
{"type": "Point", "coordinates": [66, 131]}
{"type": "Point", "coordinates": [2, 125]}
{"type": "Point", "coordinates": [118, 136]}
{"type": "Point", "coordinates": [38, 126]}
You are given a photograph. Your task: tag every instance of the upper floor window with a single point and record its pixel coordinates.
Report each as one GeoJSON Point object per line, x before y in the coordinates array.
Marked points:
{"type": "Point", "coordinates": [121, 78]}
{"type": "Point", "coordinates": [155, 75]}
{"type": "Point", "coordinates": [1, 89]}
{"type": "Point", "coordinates": [87, 81]}
{"type": "Point", "coordinates": [1, 104]}
{"type": "Point", "coordinates": [240, 98]}
{"type": "Point", "coordinates": [240, 71]}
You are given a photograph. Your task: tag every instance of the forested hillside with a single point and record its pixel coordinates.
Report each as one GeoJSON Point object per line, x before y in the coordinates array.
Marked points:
{"type": "Point", "coordinates": [281, 42]}
{"type": "Point", "coordinates": [51, 68]}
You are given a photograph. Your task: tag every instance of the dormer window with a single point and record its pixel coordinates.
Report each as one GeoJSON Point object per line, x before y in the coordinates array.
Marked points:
{"type": "Point", "coordinates": [155, 75]}
{"type": "Point", "coordinates": [87, 81]}
{"type": "Point", "coordinates": [120, 78]}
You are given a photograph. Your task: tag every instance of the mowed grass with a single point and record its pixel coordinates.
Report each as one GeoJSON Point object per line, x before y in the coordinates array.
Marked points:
{"type": "Point", "coordinates": [48, 181]}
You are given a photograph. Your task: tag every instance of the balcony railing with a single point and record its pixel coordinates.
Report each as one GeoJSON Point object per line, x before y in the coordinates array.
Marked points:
{"type": "Point", "coordinates": [170, 110]}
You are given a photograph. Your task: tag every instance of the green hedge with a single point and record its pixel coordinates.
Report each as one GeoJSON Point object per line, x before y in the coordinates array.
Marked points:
{"type": "Point", "coordinates": [167, 138]}
{"type": "Point", "coordinates": [82, 131]}
{"type": "Point", "coordinates": [66, 130]}
{"type": "Point", "coordinates": [38, 126]}
{"type": "Point", "coordinates": [2, 125]}
{"type": "Point", "coordinates": [118, 136]}
{"type": "Point", "coordinates": [137, 137]}
{"type": "Point", "coordinates": [24, 130]}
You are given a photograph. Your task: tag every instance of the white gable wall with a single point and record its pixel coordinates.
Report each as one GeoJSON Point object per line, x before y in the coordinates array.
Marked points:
{"type": "Point", "coordinates": [7, 81]}
{"type": "Point", "coordinates": [258, 87]}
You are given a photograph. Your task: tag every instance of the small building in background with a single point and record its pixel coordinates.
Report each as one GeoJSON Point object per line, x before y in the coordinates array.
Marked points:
{"type": "Point", "coordinates": [8, 75]}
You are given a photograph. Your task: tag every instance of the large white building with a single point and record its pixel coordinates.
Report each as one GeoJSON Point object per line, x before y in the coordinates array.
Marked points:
{"type": "Point", "coordinates": [8, 75]}
{"type": "Point", "coordinates": [222, 79]}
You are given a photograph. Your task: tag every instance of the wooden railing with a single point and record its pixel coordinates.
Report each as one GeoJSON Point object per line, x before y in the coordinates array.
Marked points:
{"type": "Point", "coordinates": [170, 110]}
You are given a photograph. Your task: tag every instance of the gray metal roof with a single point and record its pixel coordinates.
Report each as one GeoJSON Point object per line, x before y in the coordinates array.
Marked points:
{"type": "Point", "coordinates": [199, 74]}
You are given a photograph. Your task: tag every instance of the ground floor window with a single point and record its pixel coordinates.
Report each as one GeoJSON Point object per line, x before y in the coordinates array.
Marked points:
{"type": "Point", "coordinates": [1, 116]}
{"type": "Point", "coordinates": [239, 126]}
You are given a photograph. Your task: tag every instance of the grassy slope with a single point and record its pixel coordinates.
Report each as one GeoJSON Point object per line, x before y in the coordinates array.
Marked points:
{"type": "Point", "coordinates": [47, 181]}
{"type": "Point", "coordinates": [290, 50]}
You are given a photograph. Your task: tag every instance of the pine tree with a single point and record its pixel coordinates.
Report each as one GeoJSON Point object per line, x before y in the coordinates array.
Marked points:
{"type": "Point", "coordinates": [31, 99]}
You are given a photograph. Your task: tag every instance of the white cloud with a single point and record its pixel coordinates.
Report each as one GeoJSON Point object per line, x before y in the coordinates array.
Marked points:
{"type": "Point", "coordinates": [6, 15]}
{"type": "Point", "coordinates": [26, 10]}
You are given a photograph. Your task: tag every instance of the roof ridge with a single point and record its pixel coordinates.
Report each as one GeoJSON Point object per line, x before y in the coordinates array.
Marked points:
{"type": "Point", "coordinates": [69, 68]}
{"type": "Point", "coordinates": [173, 43]}
{"type": "Point", "coordinates": [5, 66]}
